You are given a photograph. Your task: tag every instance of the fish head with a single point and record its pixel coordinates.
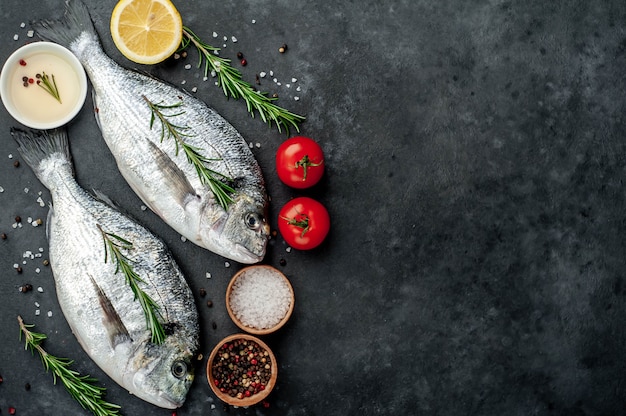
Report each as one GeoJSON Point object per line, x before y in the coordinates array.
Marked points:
{"type": "Point", "coordinates": [239, 233]}
{"type": "Point", "coordinates": [161, 374]}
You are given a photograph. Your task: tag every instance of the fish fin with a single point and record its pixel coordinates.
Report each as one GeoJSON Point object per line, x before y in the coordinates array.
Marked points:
{"type": "Point", "coordinates": [112, 322]}
{"type": "Point", "coordinates": [172, 174]}
{"type": "Point", "coordinates": [75, 22]}
{"type": "Point", "coordinates": [36, 146]}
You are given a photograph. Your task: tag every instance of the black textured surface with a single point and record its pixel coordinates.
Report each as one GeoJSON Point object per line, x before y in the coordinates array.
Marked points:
{"type": "Point", "coordinates": [475, 165]}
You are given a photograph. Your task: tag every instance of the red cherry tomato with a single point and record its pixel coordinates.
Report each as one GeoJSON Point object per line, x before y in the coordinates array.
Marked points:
{"type": "Point", "coordinates": [300, 162]}
{"type": "Point", "coordinates": [304, 223]}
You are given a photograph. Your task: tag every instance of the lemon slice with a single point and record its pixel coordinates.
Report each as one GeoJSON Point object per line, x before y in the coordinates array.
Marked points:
{"type": "Point", "coordinates": [146, 31]}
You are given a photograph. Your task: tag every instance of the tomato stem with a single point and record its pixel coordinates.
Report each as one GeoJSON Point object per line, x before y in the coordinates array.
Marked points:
{"type": "Point", "coordinates": [301, 222]}
{"type": "Point", "coordinates": [305, 162]}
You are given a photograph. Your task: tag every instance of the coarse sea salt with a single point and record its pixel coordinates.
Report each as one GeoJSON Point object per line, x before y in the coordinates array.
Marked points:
{"type": "Point", "coordinates": [260, 298]}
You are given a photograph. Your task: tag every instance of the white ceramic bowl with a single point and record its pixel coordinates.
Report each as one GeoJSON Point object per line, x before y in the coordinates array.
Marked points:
{"type": "Point", "coordinates": [44, 112]}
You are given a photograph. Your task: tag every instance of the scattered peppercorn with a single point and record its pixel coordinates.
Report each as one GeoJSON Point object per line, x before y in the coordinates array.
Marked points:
{"type": "Point", "coordinates": [274, 95]}
{"type": "Point", "coordinates": [244, 62]}
{"type": "Point", "coordinates": [209, 304]}
{"type": "Point", "coordinates": [239, 55]}
{"type": "Point", "coordinates": [283, 48]}
{"type": "Point", "coordinates": [257, 80]}
{"type": "Point", "coordinates": [283, 262]}
{"type": "Point", "coordinates": [26, 288]}
{"type": "Point", "coordinates": [183, 54]}
{"type": "Point", "coordinates": [214, 325]}
{"type": "Point", "coordinates": [25, 79]}
{"type": "Point", "coordinates": [3, 236]}
{"type": "Point", "coordinates": [22, 62]}
{"type": "Point", "coordinates": [18, 269]}
{"type": "Point", "coordinates": [27, 386]}
{"type": "Point", "coordinates": [16, 163]}
{"type": "Point", "coordinates": [39, 221]}
{"type": "Point", "coordinates": [18, 219]}
{"type": "Point", "coordinates": [202, 292]}
{"type": "Point", "coordinates": [46, 262]}
{"type": "Point", "coordinates": [1, 379]}
{"type": "Point", "coordinates": [31, 81]}
{"type": "Point", "coordinates": [11, 410]}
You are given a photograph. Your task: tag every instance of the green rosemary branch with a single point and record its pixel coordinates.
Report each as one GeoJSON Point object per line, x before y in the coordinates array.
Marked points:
{"type": "Point", "coordinates": [112, 245]}
{"type": "Point", "coordinates": [81, 388]}
{"type": "Point", "coordinates": [50, 87]}
{"type": "Point", "coordinates": [234, 86]}
{"type": "Point", "coordinates": [220, 188]}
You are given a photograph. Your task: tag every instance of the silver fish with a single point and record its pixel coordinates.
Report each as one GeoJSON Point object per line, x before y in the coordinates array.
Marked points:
{"type": "Point", "coordinates": [153, 166]}
{"type": "Point", "coordinates": [96, 301]}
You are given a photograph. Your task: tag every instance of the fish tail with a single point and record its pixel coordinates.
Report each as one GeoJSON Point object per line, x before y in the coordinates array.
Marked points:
{"type": "Point", "coordinates": [75, 22]}
{"type": "Point", "coordinates": [39, 146]}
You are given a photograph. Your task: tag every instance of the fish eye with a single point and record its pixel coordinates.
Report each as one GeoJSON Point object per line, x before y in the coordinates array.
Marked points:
{"type": "Point", "coordinates": [253, 221]}
{"type": "Point", "coordinates": [179, 369]}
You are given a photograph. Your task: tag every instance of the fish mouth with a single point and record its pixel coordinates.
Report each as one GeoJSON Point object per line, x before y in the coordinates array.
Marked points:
{"type": "Point", "coordinates": [243, 255]}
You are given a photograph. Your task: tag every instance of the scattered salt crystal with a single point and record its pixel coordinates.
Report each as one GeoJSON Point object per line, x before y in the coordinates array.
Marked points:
{"type": "Point", "coordinates": [208, 275]}
{"type": "Point", "coordinates": [10, 155]}
{"type": "Point", "coordinates": [258, 145]}
{"type": "Point", "coordinates": [288, 85]}
{"type": "Point", "coordinates": [183, 238]}
{"type": "Point", "coordinates": [188, 66]}
{"type": "Point", "coordinates": [214, 34]}
{"type": "Point", "coordinates": [213, 73]}
{"type": "Point", "coordinates": [49, 314]}
{"type": "Point", "coordinates": [275, 79]}
{"type": "Point", "coordinates": [217, 84]}
{"type": "Point", "coordinates": [143, 207]}
{"type": "Point", "coordinates": [251, 145]}
{"type": "Point", "coordinates": [34, 224]}
{"type": "Point", "coordinates": [37, 312]}
{"type": "Point", "coordinates": [234, 39]}
{"type": "Point", "coordinates": [212, 405]}
{"type": "Point", "coordinates": [37, 270]}
{"type": "Point", "coordinates": [278, 83]}
{"type": "Point", "coordinates": [194, 89]}
{"type": "Point", "coordinates": [262, 74]}
{"type": "Point", "coordinates": [40, 289]}
{"type": "Point", "coordinates": [1, 189]}
{"type": "Point", "coordinates": [38, 255]}
{"type": "Point", "coordinates": [27, 254]}
{"type": "Point", "coordinates": [294, 79]}
{"type": "Point", "coordinates": [30, 33]}
{"type": "Point", "coordinates": [296, 98]}
{"type": "Point", "coordinates": [41, 249]}
{"type": "Point", "coordinates": [26, 190]}
{"type": "Point", "coordinates": [299, 89]}
{"type": "Point", "coordinates": [14, 225]}
{"type": "Point", "coordinates": [23, 261]}
{"type": "Point", "coordinates": [288, 249]}
{"type": "Point", "coordinates": [226, 264]}
{"type": "Point", "coordinates": [205, 78]}
{"type": "Point", "coordinates": [216, 52]}
{"type": "Point", "coordinates": [22, 25]}
{"type": "Point", "coordinates": [16, 36]}
{"type": "Point", "coordinates": [224, 45]}
{"type": "Point", "coordinates": [260, 298]}
{"type": "Point", "coordinates": [253, 21]}
{"type": "Point", "coordinates": [37, 304]}
{"type": "Point", "coordinates": [271, 73]}
{"type": "Point", "coordinates": [183, 82]}
{"type": "Point", "coordinates": [29, 220]}
{"type": "Point", "coordinates": [15, 265]}
{"type": "Point", "coordinates": [225, 38]}
{"type": "Point", "coordinates": [41, 203]}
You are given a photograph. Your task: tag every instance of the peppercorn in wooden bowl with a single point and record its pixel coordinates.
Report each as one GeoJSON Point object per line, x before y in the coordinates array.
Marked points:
{"type": "Point", "coordinates": [242, 370]}
{"type": "Point", "coordinates": [259, 299]}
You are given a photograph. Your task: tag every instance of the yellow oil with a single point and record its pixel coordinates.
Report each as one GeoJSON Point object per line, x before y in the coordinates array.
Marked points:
{"type": "Point", "coordinates": [33, 102]}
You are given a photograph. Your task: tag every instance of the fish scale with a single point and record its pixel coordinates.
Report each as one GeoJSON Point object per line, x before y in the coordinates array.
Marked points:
{"type": "Point", "coordinates": [97, 302]}
{"type": "Point", "coordinates": [159, 174]}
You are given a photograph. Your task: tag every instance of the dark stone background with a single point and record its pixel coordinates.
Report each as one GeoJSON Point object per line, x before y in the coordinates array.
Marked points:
{"type": "Point", "coordinates": [475, 160]}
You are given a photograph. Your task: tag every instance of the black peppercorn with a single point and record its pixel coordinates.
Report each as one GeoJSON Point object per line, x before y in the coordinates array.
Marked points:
{"type": "Point", "coordinates": [18, 269]}
{"type": "Point", "coordinates": [18, 219]}
{"type": "Point", "coordinates": [16, 163]}
{"type": "Point", "coordinates": [239, 55]}
{"type": "Point", "coordinates": [283, 262]}
{"type": "Point", "coordinates": [202, 292]}
{"type": "Point", "coordinates": [209, 304]}
{"type": "Point", "coordinates": [3, 236]}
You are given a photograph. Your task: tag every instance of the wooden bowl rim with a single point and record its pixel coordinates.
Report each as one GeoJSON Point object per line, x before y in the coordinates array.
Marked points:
{"type": "Point", "coordinates": [255, 398]}
{"type": "Point", "coordinates": [253, 330]}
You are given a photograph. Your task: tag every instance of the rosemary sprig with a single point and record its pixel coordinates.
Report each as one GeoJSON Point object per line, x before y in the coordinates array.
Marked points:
{"type": "Point", "coordinates": [112, 244]}
{"type": "Point", "coordinates": [50, 87]}
{"type": "Point", "coordinates": [220, 188]}
{"type": "Point", "coordinates": [81, 388]}
{"type": "Point", "coordinates": [234, 86]}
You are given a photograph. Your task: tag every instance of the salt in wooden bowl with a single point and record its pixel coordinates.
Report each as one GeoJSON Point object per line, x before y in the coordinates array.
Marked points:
{"type": "Point", "coordinates": [259, 299]}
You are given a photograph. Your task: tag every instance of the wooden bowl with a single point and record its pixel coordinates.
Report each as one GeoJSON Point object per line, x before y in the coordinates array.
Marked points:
{"type": "Point", "coordinates": [254, 398]}
{"type": "Point", "coordinates": [267, 270]}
